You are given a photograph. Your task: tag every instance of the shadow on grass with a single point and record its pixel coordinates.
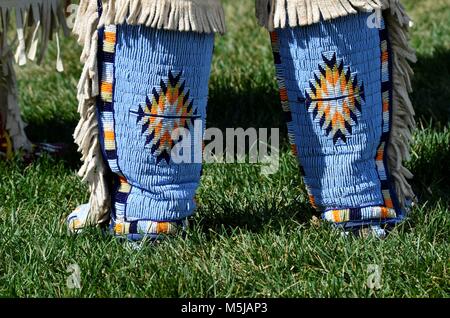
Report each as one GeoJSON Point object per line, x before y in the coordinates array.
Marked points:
{"type": "Point", "coordinates": [430, 181]}
{"type": "Point", "coordinates": [57, 131]}
{"type": "Point", "coordinates": [255, 107]}
{"type": "Point", "coordinates": [231, 218]}
{"type": "Point", "coordinates": [431, 85]}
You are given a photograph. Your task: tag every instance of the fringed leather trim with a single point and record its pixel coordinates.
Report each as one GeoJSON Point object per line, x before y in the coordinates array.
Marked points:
{"type": "Point", "coordinates": [274, 14]}
{"type": "Point", "coordinates": [36, 22]}
{"type": "Point", "coordinates": [403, 123]}
{"type": "Point", "coordinates": [86, 135]}
{"type": "Point", "coordinates": [205, 16]}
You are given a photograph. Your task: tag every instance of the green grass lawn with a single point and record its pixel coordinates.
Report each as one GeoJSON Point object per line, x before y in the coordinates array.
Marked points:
{"type": "Point", "coordinates": [252, 234]}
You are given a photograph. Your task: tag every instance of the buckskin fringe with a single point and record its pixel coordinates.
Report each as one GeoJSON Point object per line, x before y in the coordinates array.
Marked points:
{"type": "Point", "coordinates": [204, 16]}
{"type": "Point", "coordinates": [403, 123]}
{"type": "Point", "coordinates": [274, 14]}
{"type": "Point", "coordinates": [35, 22]}
{"type": "Point", "coordinates": [86, 135]}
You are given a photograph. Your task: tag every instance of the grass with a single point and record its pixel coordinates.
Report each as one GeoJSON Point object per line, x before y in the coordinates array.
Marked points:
{"type": "Point", "coordinates": [252, 235]}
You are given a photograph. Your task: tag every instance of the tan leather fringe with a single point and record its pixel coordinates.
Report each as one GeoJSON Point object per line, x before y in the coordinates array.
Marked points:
{"type": "Point", "coordinates": [35, 23]}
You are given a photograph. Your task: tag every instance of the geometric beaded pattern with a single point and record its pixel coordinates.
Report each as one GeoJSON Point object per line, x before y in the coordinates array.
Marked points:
{"type": "Point", "coordinates": [137, 230]}
{"type": "Point", "coordinates": [386, 95]}
{"type": "Point", "coordinates": [107, 50]}
{"type": "Point", "coordinates": [168, 109]}
{"type": "Point", "coordinates": [335, 97]}
{"type": "Point", "coordinates": [120, 198]}
{"type": "Point", "coordinates": [106, 103]}
{"type": "Point", "coordinates": [353, 214]}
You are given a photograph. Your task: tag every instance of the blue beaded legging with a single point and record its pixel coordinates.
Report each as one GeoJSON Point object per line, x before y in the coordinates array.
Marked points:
{"type": "Point", "coordinates": [153, 82]}
{"type": "Point", "coordinates": [335, 89]}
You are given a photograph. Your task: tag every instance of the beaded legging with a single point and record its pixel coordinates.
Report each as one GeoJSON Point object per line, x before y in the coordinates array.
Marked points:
{"type": "Point", "coordinates": [153, 82]}
{"type": "Point", "coordinates": [335, 89]}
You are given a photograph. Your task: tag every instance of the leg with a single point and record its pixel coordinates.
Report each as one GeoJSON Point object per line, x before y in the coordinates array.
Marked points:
{"type": "Point", "coordinates": [153, 82]}
{"type": "Point", "coordinates": [143, 63]}
{"type": "Point", "coordinates": [161, 84]}
{"type": "Point", "coordinates": [335, 81]}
